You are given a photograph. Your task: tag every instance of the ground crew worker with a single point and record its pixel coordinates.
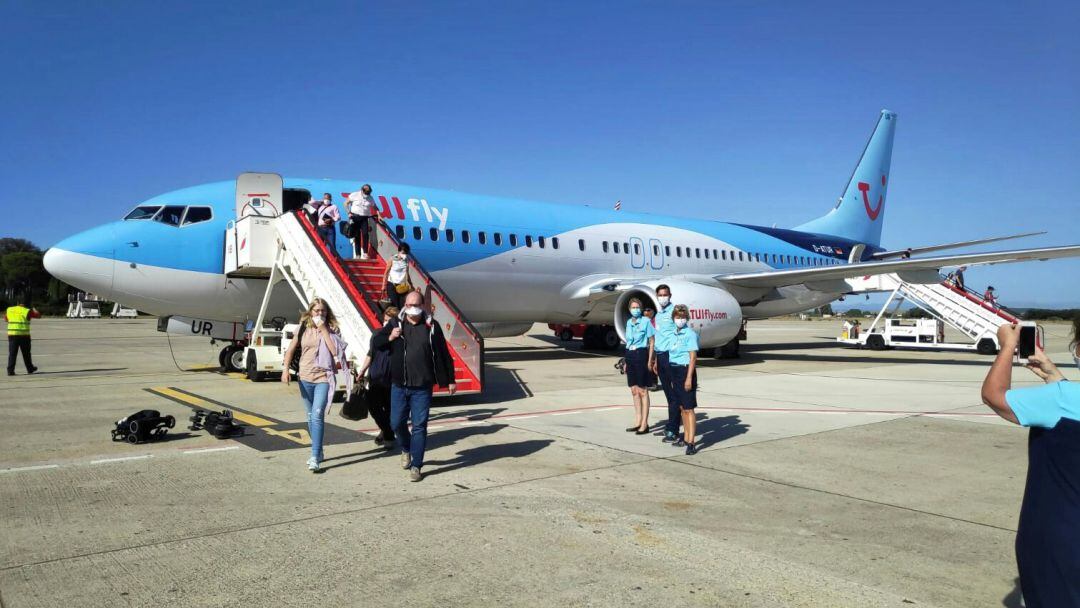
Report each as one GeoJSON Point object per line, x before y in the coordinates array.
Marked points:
{"type": "Point", "coordinates": [665, 329]}
{"type": "Point", "coordinates": [18, 329]}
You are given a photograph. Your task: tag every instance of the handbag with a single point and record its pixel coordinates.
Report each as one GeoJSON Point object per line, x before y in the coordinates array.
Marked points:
{"type": "Point", "coordinates": [356, 405]}
{"type": "Point", "coordinates": [403, 287]}
{"type": "Point", "coordinates": [348, 230]}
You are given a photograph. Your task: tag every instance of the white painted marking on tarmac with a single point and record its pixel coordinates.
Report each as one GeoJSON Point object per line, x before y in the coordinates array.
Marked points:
{"type": "Point", "coordinates": [124, 459]}
{"type": "Point", "coordinates": [565, 413]}
{"type": "Point", "coordinates": [609, 409]}
{"type": "Point", "coordinates": [523, 417]}
{"type": "Point", "coordinates": [39, 467]}
{"type": "Point", "coordinates": [208, 450]}
{"type": "Point", "coordinates": [473, 422]}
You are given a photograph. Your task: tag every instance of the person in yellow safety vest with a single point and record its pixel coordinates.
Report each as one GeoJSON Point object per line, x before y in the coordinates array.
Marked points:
{"type": "Point", "coordinates": [18, 329]}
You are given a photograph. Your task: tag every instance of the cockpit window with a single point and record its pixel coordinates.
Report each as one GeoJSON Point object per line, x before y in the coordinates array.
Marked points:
{"type": "Point", "coordinates": [143, 212]}
{"type": "Point", "coordinates": [170, 214]}
{"type": "Point", "coordinates": [195, 215]}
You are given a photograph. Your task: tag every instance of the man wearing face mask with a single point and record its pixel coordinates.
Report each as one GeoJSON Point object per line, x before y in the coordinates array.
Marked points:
{"type": "Point", "coordinates": [1048, 535]}
{"type": "Point", "coordinates": [665, 332]}
{"type": "Point", "coordinates": [419, 359]}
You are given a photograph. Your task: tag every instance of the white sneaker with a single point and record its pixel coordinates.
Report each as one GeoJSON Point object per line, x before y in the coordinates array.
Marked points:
{"type": "Point", "coordinates": [363, 256]}
{"type": "Point", "coordinates": [313, 465]}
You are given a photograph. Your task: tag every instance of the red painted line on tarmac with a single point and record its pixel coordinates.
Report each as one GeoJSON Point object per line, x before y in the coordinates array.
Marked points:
{"type": "Point", "coordinates": [790, 410]}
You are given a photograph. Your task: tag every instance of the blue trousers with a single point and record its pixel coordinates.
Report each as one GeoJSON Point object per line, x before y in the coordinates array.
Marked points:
{"type": "Point", "coordinates": [663, 372]}
{"type": "Point", "coordinates": [329, 234]}
{"type": "Point", "coordinates": [315, 395]}
{"type": "Point", "coordinates": [410, 403]}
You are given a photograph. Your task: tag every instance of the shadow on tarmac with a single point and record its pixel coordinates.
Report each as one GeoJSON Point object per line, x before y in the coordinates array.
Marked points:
{"type": "Point", "coordinates": [488, 453]}
{"type": "Point", "coordinates": [1014, 599]}
{"type": "Point", "coordinates": [436, 439]}
{"type": "Point", "coordinates": [712, 431]}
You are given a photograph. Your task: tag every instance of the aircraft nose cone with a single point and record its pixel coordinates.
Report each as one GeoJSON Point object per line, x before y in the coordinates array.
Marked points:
{"type": "Point", "coordinates": [84, 260]}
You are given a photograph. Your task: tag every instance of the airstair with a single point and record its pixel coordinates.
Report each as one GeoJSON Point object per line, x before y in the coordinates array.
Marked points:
{"type": "Point", "coordinates": [352, 288]}
{"type": "Point", "coordinates": [964, 310]}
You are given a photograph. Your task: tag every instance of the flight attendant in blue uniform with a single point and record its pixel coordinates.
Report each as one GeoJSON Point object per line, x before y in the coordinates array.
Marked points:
{"type": "Point", "coordinates": [665, 328]}
{"type": "Point", "coordinates": [639, 344]}
{"type": "Point", "coordinates": [682, 363]}
{"type": "Point", "coordinates": [1048, 535]}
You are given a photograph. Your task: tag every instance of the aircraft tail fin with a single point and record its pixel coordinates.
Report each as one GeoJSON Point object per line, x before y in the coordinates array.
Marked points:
{"type": "Point", "coordinates": [860, 212]}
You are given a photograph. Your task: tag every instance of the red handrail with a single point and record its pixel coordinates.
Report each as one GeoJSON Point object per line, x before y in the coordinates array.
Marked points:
{"type": "Point", "coordinates": [998, 310]}
{"type": "Point", "coordinates": [364, 305]}
{"type": "Point", "coordinates": [454, 310]}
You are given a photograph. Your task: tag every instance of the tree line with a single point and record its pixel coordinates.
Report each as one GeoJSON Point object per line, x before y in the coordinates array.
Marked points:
{"type": "Point", "coordinates": [22, 272]}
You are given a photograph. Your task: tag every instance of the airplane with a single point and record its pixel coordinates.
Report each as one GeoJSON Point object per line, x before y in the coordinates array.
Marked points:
{"type": "Point", "coordinates": [509, 263]}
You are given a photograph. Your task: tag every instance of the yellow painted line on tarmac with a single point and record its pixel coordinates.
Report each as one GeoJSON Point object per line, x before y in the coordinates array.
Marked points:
{"type": "Point", "coordinates": [250, 419]}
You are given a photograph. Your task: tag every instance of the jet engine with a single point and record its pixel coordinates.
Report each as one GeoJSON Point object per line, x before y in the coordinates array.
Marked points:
{"type": "Point", "coordinates": [502, 330]}
{"type": "Point", "coordinates": [714, 313]}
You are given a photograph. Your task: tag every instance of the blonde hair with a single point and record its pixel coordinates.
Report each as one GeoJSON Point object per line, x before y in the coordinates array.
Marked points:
{"type": "Point", "coordinates": [680, 311]}
{"type": "Point", "coordinates": [331, 320]}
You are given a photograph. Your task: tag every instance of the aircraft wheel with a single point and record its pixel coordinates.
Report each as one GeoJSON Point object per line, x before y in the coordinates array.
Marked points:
{"type": "Point", "coordinates": [588, 339]}
{"type": "Point", "coordinates": [610, 337]}
{"type": "Point", "coordinates": [566, 335]}
{"type": "Point", "coordinates": [986, 346]}
{"type": "Point", "coordinates": [729, 350]}
{"type": "Point", "coordinates": [875, 342]}
{"type": "Point", "coordinates": [231, 359]}
{"type": "Point", "coordinates": [253, 368]}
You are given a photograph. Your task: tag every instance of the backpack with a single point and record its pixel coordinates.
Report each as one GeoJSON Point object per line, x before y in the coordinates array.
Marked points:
{"type": "Point", "coordinates": [380, 366]}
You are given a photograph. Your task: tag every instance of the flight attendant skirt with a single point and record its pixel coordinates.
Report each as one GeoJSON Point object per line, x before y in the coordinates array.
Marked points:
{"type": "Point", "coordinates": [637, 367]}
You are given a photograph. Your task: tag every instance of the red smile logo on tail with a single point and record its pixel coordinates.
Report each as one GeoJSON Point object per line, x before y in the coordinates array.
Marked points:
{"type": "Point", "coordinates": [872, 212]}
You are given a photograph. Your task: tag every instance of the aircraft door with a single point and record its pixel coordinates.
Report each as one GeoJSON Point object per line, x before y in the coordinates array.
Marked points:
{"type": "Point", "coordinates": [656, 254]}
{"type": "Point", "coordinates": [259, 194]}
{"type": "Point", "coordinates": [637, 252]}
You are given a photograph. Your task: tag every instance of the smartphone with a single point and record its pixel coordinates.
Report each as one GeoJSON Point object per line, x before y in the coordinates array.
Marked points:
{"type": "Point", "coordinates": [1031, 337]}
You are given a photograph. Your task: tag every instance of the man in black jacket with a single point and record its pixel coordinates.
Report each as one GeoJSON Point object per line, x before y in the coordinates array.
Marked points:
{"type": "Point", "coordinates": [419, 359]}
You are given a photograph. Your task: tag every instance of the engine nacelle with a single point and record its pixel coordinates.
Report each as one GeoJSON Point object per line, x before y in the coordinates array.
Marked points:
{"type": "Point", "coordinates": [502, 330]}
{"type": "Point", "coordinates": [714, 313]}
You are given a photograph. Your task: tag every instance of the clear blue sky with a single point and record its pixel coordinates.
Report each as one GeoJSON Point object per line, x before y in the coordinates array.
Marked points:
{"type": "Point", "coordinates": [743, 111]}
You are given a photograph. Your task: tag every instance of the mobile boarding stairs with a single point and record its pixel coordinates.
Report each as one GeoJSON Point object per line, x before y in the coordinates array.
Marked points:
{"type": "Point", "coordinates": [288, 251]}
{"type": "Point", "coordinates": [945, 302]}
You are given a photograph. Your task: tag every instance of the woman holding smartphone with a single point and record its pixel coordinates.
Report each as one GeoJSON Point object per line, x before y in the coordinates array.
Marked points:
{"type": "Point", "coordinates": [318, 348]}
{"type": "Point", "coordinates": [1047, 537]}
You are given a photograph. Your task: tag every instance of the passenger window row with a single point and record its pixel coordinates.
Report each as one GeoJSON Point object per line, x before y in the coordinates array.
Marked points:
{"type": "Point", "coordinates": [172, 215]}
{"type": "Point", "coordinates": [496, 238]}
{"type": "Point", "coordinates": [481, 237]}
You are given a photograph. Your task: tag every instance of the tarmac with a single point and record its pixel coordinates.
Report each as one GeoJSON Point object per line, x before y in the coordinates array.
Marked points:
{"type": "Point", "coordinates": [827, 476]}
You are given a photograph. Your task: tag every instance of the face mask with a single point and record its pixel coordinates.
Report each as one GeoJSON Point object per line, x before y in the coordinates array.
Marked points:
{"type": "Point", "coordinates": [317, 320]}
{"type": "Point", "coordinates": [663, 300]}
{"type": "Point", "coordinates": [680, 323]}
{"type": "Point", "coordinates": [635, 312]}
{"type": "Point", "coordinates": [413, 311]}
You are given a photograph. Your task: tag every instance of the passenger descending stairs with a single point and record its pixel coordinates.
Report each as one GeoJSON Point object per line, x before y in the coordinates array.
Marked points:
{"type": "Point", "coordinates": [964, 310]}
{"type": "Point", "coordinates": [353, 289]}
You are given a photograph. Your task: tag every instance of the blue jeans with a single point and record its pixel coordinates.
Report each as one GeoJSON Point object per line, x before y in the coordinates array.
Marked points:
{"type": "Point", "coordinates": [315, 395]}
{"type": "Point", "coordinates": [329, 234]}
{"type": "Point", "coordinates": [663, 372]}
{"type": "Point", "coordinates": [405, 403]}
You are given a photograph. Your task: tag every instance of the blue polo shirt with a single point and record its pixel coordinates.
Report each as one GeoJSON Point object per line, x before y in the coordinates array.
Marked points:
{"type": "Point", "coordinates": [1044, 406]}
{"type": "Point", "coordinates": [683, 342]}
{"type": "Point", "coordinates": [665, 327]}
{"type": "Point", "coordinates": [638, 332]}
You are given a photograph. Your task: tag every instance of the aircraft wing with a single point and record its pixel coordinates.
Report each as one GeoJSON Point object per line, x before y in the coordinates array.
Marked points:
{"type": "Point", "coordinates": [917, 270]}
{"type": "Point", "coordinates": [885, 255]}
